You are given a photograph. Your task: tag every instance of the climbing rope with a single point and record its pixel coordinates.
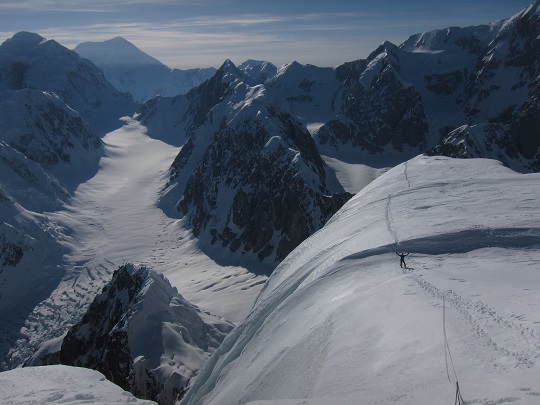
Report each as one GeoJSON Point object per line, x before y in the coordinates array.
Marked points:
{"type": "Point", "coordinates": [448, 355]}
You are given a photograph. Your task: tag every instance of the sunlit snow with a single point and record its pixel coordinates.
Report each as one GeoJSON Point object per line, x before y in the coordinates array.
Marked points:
{"type": "Point", "coordinates": [340, 322]}
{"type": "Point", "coordinates": [61, 384]}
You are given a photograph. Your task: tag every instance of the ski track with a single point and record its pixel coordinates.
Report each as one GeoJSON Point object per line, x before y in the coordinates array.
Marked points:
{"type": "Point", "coordinates": [498, 334]}
{"type": "Point", "coordinates": [113, 218]}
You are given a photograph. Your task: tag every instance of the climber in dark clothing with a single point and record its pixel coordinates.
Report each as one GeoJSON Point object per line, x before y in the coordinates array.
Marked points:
{"type": "Point", "coordinates": [402, 261]}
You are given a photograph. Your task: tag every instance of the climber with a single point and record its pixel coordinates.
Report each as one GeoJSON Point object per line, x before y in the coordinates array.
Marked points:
{"type": "Point", "coordinates": [402, 261]}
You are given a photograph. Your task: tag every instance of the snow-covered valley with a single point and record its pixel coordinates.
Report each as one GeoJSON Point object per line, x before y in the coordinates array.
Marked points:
{"type": "Point", "coordinates": [113, 218]}
{"type": "Point", "coordinates": [121, 222]}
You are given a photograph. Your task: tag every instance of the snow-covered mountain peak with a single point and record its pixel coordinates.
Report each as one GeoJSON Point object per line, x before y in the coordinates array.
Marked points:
{"type": "Point", "coordinates": [534, 8]}
{"type": "Point", "coordinates": [228, 72]}
{"type": "Point", "coordinates": [386, 48]}
{"type": "Point", "coordinates": [26, 38]}
{"type": "Point", "coordinates": [292, 68]}
{"type": "Point", "coordinates": [116, 51]}
{"type": "Point", "coordinates": [258, 71]}
{"type": "Point", "coordinates": [142, 334]}
{"type": "Point", "coordinates": [251, 64]}
{"type": "Point", "coordinates": [530, 15]}
{"type": "Point", "coordinates": [451, 39]}
{"type": "Point", "coordinates": [31, 62]}
{"type": "Point", "coordinates": [25, 48]}
{"type": "Point", "coordinates": [132, 70]}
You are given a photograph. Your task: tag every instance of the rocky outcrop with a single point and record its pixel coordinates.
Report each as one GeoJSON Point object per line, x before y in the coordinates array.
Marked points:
{"type": "Point", "coordinates": [255, 191]}
{"type": "Point", "coordinates": [142, 335]}
{"type": "Point", "coordinates": [249, 178]}
{"type": "Point", "coordinates": [378, 108]}
{"type": "Point", "coordinates": [44, 129]}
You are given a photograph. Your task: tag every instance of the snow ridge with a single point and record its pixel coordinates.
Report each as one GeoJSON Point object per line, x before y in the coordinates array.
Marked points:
{"type": "Point", "coordinates": [463, 222]}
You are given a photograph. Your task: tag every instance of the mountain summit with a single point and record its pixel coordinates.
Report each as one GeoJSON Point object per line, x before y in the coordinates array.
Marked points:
{"type": "Point", "coordinates": [134, 71]}
{"type": "Point", "coordinates": [117, 51]}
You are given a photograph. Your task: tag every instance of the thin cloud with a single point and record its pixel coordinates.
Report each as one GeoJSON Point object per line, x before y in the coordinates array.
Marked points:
{"type": "Point", "coordinates": [95, 6]}
{"type": "Point", "coordinates": [206, 39]}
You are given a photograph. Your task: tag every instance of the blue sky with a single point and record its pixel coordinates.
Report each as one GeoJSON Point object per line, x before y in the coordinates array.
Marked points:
{"type": "Point", "coordinates": [201, 33]}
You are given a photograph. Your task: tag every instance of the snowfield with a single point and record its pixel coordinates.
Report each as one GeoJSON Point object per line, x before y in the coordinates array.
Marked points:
{"type": "Point", "coordinates": [340, 322]}
{"type": "Point", "coordinates": [61, 385]}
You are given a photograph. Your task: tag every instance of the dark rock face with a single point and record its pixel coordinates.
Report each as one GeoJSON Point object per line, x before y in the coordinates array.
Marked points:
{"type": "Point", "coordinates": [44, 129]}
{"type": "Point", "coordinates": [272, 206]}
{"type": "Point", "coordinates": [258, 71]}
{"type": "Point", "coordinates": [99, 341]}
{"type": "Point", "coordinates": [378, 110]}
{"type": "Point", "coordinates": [210, 93]}
{"type": "Point", "coordinates": [445, 84]}
{"type": "Point", "coordinates": [10, 253]}
{"type": "Point", "coordinates": [251, 177]}
{"type": "Point", "coordinates": [413, 96]}
{"type": "Point", "coordinates": [129, 328]}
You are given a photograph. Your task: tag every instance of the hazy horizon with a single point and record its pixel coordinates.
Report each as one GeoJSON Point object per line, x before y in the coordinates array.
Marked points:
{"type": "Point", "coordinates": [186, 33]}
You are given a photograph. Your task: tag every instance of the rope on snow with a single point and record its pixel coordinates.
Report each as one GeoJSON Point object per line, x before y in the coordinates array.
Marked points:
{"type": "Point", "coordinates": [448, 355]}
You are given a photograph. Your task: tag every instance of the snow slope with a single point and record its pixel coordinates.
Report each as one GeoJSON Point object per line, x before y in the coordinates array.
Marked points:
{"type": "Point", "coordinates": [339, 322]}
{"type": "Point", "coordinates": [61, 385]}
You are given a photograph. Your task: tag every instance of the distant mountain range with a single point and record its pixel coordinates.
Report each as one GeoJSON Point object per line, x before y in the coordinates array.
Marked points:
{"type": "Point", "coordinates": [131, 70]}
{"type": "Point", "coordinates": [460, 92]}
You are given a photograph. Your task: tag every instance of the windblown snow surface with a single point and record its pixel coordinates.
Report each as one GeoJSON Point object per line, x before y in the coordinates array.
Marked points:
{"type": "Point", "coordinates": [339, 322]}
{"type": "Point", "coordinates": [61, 385]}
